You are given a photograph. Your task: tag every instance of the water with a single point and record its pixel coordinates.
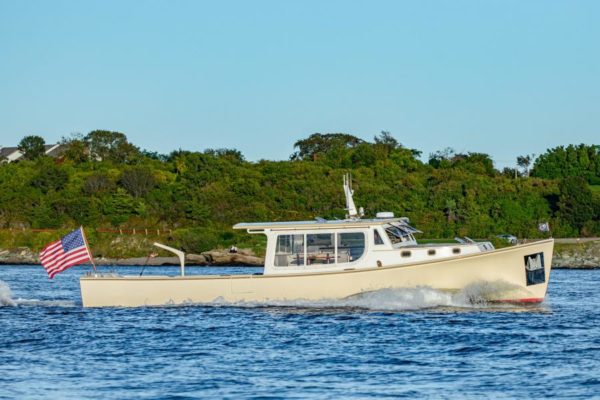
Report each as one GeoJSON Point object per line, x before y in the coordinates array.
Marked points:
{"type": "Point", "coordinates": [405, 343]}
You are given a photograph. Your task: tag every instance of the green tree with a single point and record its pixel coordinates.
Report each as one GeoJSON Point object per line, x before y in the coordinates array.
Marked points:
{"type": "Point", "coordinates": [524, 162]}
{"type": "Point", "coordinates": [138, 181]}
{"type": "Point", "coordinates": [317, 145]}
{"type": "Point", "coordinates": [442, 158]}
{"type": "Point", "coordinates": [32, 147]}
{"type": "Point", "coordinates": [49, 177]}
{"type": "Point", "coordinates": [575, 202]}
{"type": "Point", "coordinates": [386, 141]}
{"type": "Point", "coordinates": [228, 154]}
{"type": "Point", "coordinates": [560, 162]}
{"type": "Point", "coordinates": [111, 146]}
{"type": "Point", "coordinates": [98, 183]}
{"type": "Point", "coordinates": [77, 149]}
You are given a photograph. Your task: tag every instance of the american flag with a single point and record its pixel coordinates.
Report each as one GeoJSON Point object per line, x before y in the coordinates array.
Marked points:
{"type": "Point", "coordinates": [64, 253]}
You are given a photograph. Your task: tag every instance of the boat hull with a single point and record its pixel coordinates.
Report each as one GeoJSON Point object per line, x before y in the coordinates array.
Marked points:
{"type": "Point", "coordinates": [519, 274]}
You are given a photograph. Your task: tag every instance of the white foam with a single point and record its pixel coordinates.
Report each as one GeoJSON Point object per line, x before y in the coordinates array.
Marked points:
{"type": "Point", "coordinates": [6, 295]}
{"type": "Point", "coordinates": [6, 299]}
{"type": "Point", "coordinates": [473, 296]}
{"type": "Point", "coordinates": [45, 303]}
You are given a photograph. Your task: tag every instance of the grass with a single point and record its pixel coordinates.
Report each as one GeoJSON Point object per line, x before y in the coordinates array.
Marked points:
{"type": "Point", "coordinates": [595, 188]}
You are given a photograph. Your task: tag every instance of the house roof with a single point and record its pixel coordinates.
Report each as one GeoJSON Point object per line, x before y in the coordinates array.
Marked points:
{"type": "Point", "coordinates": [6, 151]}
{"type": "Point", "coordinates": [52, 150]}
{"type": "Point", "coordinates": [56, 150]}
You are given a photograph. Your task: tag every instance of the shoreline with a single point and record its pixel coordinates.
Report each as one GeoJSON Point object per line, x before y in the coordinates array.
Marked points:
{"type": "Point", "coordinates": [213, 258]}
{"type": "Point", "coordinates": [568, 254]}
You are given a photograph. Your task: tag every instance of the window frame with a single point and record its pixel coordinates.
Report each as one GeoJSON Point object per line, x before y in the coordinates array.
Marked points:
{"type": "Point", "coordinates": [365, 245]}
{"type": "Point", "coordinates": [377, 234]}
{"type": "Point", "coordinates": [306, 265]}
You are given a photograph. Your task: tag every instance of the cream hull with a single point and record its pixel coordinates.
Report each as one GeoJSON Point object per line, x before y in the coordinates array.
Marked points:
{"type": "Point", "coordinates": [506, 266]}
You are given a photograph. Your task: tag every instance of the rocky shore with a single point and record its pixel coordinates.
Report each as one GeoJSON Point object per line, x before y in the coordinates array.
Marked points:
{"type": "Point", "coordinates": [568, 255]}
{"type": "Point", "coordinates": [244, 257]}
{"type": "Point", "coordinates": [573, 255]}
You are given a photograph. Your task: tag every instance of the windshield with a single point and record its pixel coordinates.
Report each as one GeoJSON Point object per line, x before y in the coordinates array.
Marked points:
{"type": "Point", "coordinates": [400, 233]}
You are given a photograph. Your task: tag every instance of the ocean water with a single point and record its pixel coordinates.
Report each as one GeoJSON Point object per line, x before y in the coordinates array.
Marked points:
{"type": "Point", "coordinates": [392, 343]}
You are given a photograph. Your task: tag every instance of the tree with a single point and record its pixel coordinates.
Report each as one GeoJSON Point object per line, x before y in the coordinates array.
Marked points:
{"type": "Point", "coordinates": [32, 147]}
{"type": "Point", "coordinates": [510, 172]}
{"type": "Point", "coordinates": [524, 162]}
{"type": "Point", "coordinates": [118, 207]}
{"type": "Point", "coordinates": [386, 141]}
{"type": "Point", "coordinates": [110, 146]}
{"type": "Point", "coordinates": [559, 162]}
{"type": "Point", "coordinates": [320, 144]}
{"type": "Point", "coordinates": [575, 201]}
{"type": "Point", "coordinates": [98, 183]}
{"type": "Point", "coordinates": [442, 158]}
{"type": "Point", "coordinates": [479, 163]}
{"type": "Point", "coordinates": [363, 155]}
{"type": "Point", "coordinates": [49, 177]}
{"type": "Point", "coordinates": [138, 181]}
{"type": "Point", "coordinates": [77, 149]}
{"type": "Point", "coordinates": [228, 154]}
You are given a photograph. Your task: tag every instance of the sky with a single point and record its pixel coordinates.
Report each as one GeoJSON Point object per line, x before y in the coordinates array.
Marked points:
{"type": "Point", "coordinates": [506, 78]}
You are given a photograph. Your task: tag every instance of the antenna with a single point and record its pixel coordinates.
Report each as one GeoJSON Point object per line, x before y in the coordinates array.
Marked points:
{"type": "Point", "coordinates": [348, 192]}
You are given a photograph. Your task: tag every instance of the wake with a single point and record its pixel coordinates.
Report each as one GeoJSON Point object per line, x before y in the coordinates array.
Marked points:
{"type": "Point", "coordinates": [473, 297]}
{"type": "Point", "coordinates": [7, 300]}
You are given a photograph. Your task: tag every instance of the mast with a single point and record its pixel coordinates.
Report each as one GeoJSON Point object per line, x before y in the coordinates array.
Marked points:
{"type": "Point", "coordinates": [350, 206]}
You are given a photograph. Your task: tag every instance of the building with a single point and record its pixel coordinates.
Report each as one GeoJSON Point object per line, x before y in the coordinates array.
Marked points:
{"type": "Point", "coordinates": [12, 154]}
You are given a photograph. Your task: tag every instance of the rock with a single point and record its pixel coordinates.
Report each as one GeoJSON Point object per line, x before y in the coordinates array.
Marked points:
{"type": "Point", "coordinates": [213, 257]}
{"type": "Point", "coordinates": [224, 257]}
{"type": "Point", "coordinates": [196, 259]}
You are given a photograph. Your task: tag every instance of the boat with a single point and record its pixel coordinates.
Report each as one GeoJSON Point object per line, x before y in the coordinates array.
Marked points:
{"type": "Point", "coordinates": [337, 259]}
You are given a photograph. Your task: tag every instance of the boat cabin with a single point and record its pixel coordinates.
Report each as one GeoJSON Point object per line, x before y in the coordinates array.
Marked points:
{"type": "Point", "coordinates": [353, 243]}
{"type": "Point", "coordinates": [322, 245]}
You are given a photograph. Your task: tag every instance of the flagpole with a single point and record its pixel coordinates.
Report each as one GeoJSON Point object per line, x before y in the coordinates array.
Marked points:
{"type": "Point", "coordinates": [87, 246]}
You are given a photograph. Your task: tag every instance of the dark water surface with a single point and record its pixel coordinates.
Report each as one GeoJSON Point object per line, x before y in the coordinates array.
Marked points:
{"type": "Point", "coordinates": [405, 343]}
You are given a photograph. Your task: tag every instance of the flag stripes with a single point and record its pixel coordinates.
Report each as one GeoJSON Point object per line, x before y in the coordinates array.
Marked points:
{"type": "Point", "coordinates": [70, 250]}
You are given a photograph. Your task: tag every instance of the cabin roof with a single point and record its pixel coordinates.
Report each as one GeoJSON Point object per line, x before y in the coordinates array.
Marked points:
{"type": "Point", "coordinates": [317, 224]}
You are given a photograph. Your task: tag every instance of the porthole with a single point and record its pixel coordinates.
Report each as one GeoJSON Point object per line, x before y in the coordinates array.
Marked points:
{"type": "Point", "coordinates": [405, 253]}
{"type": "Point", "coordinates": [456, 250]}
{"type": "Point", "coordinates": [431, 252]}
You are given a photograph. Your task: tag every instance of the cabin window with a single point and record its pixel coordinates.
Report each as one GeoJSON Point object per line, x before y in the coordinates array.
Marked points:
{"type": "Point", "coordinates": [456, 250]}
{"type": "Point", "coordinates": [405, 253]}
{"type": "Point", "coordinates": [431, 252]}
{"type": "Point", "coordinates": [350, 246]}
{"type": "Point", "coordinates": [377, 237]}
{"type": "Point", "coordinates": [395, 235]}
{"type": "Point", "coordinates": [320, 249]}
{"type": "Point", "coordinates": [289, 250]}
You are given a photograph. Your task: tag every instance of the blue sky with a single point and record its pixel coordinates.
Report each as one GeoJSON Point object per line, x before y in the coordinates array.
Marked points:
{"type": "Point", "coordinates": [501, 77]}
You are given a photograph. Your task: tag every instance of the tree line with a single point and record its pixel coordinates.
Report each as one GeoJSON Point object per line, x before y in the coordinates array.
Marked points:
{"type": "Point", "coordinates": [101, 180]}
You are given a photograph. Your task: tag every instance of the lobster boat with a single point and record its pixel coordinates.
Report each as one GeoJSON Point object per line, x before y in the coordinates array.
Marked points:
{"type": "Point", "coordinates": [336, 259]}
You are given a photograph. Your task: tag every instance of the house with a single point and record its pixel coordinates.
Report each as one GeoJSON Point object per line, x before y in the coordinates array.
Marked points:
{"type": "Point", "coordinates": [11, 154]}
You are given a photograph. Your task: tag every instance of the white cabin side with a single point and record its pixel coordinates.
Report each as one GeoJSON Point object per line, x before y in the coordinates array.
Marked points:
{"type": "Point", "coordinates": [326, 246]}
